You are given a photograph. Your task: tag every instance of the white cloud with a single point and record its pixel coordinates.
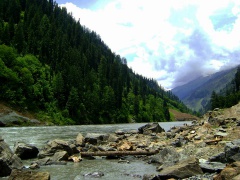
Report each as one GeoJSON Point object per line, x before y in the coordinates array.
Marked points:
{"type": "Point", "coordinates": [172, 41]}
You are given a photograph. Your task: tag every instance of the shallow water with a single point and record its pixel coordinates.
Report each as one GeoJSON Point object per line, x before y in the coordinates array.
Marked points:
{"type": "Point", "coordinates": [38, 136]}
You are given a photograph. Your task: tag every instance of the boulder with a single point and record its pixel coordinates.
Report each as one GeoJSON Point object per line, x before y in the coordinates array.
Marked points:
{"type": "Point", "coordinates": [232, 171]}
{"type": "Point", "coordinates": [28, 175]}
{"type": "Point", "coordinates": [166, 157]}
{"type": "Point", "coordinates": [151, 128]}
{"type": "Point", "coordinates": [79, 140]}
{"type": "Point", "coordinates": [95, 138]}
{"type": "Point", "coordinates": [183, 169]}
{"type": "Point", "coordinates": [55, 146]}
{"type": "Point", "coordinates": [25, 151]}
{"type": "Point", "coordinates": [113, 138]}
{"type": "Point", "coordinates": [49, 161]}
{"type": "Point", "coordinates": [125, 146]}
{"type": "Point", "coordinates": [218, 158]}
{"type": "Point", "coordinates": [60, 156]}
{"type": "Point", "coordinates": [211, 167]}
{"type": "Point", "coordinates": [230, 150]}
{"type": "Point", "coordinates": [10, 118]}
{"type": "Point", "coordinates": [179, 142]}
{"type": "Point", "coordinates": [230, 154]}
{"type": "Point", "coordinates": [8, 160]}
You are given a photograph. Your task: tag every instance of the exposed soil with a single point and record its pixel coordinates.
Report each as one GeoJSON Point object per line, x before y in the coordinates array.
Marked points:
{"type": "Point", "coordinates": [179, 116]}
{"type": "Point", "coordinates": [5, 109]}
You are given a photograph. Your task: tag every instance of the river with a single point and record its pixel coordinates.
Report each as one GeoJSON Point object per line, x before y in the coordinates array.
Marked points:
{"type": "Point", "coordinates": [38, 136]}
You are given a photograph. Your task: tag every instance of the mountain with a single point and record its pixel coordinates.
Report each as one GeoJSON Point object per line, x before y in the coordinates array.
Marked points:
{"type": "Point", "coordinates": [196, 94]}
{"type": "Point", "coordinates": [62, 71]}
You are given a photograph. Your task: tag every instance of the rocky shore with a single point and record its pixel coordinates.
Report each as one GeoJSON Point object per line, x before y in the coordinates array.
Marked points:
{"type": "Point", "coordinates": [207, 149]}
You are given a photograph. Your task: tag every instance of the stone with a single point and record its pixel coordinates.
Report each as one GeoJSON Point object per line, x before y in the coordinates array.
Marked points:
{"type": "Point", "coordinates": [238, 123]}
{"type": "Point", "coordinates": [170, 135]}
{"type": "Point", "coordinates": [25, 151]}
{"type": "Point", "coordinates": [119, 132]}
{"type": "Point", "coordinates": [8, 160]}
{"type": "Point", "coordinates": [151, 128]}
{"type": "Point", "coordinates": [218, 158]}
{"type": "Point", "coordinates": [220, 134]}
{"type": "Point", "coordinates": [94, 174]}
{"type": "Point", "coordinates": [43, 161]}
{"type": "Point", "coordinates": [197, 138]}
{"type": "Point", "coordinates": [75, 158]}
{"type": "Point", "coordinates": [48, 161]}
{"type": "Point", "coordinates": [94, 138]}
{"type": "Point", "coordinates": [211, 167]}
{"type": "Point", "coordinates": [149, 177]}
{"type": "Point", "coordinates": [28, 175]}
{"type": "Point", "coordinates": [35, 121]}
{"type": "Point", "coordinates": [235, 157]}
{"type": "Point", "coordinates": [80, 140]}
{"type": "Point", "coordinates": [230, 150]}
{"type": "Point", "coordinates": [55, 146]}
{"type": "Point", "coordinates": [113, 138]}
{"type": "Point", "coordinates": [125, 146]}
{"type": "Point", "coordinates": [168, 156]}
{"type": "Point", "coordinates": [34, 166]}
{"type": "Point", "coordinates": [232, 171]}
{"type": "Point", "coordinates": [236, 142]}
{"type": "Point", "coordinates": [230, 154]}
{"type": "Point", "coordinates": [60, 156]}
{"type": "Point", "coordinates": [192, 132]}
{"type": "Point", "coordinates": [236, 177]}
{"type": "Point", "coordinates": [183, 169]}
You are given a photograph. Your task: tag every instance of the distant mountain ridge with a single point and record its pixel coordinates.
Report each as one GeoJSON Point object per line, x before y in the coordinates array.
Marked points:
{"type": "Point", "coordinates": [196, 94]}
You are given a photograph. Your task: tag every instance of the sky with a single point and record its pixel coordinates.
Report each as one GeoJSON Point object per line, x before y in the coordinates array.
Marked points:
{"type": "Point", "coordinates": [172, 41]}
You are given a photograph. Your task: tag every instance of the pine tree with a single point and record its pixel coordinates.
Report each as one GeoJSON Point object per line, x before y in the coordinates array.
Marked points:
{"type": "Point", "coordinates": [237, 79]}
{"type": "Point", "coordinates": [19, 40]}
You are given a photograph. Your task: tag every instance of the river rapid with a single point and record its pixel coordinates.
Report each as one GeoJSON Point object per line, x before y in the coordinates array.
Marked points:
{"type": "Point", "coordinates": [38, 136]}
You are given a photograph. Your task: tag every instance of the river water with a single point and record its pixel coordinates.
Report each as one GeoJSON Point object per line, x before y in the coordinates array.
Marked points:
{"type": "Point", "coordinates": [38, 136]}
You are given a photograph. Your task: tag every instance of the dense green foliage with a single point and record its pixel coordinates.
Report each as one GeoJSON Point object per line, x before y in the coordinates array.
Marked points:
{"type": "Point", "coordinates": [51, 64]}
{"type": "Point", "coordinates": [228, 96]}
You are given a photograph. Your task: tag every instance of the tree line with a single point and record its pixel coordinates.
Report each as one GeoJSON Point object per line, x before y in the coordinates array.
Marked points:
{"type": "Point", "coordinates": [54, 66]}
{"type": "Point", "coordinates": [228, 96]}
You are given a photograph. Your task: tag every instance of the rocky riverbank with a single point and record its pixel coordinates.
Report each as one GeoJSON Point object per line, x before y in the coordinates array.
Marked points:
{"type": "Point", "coordinates": [207, 149]}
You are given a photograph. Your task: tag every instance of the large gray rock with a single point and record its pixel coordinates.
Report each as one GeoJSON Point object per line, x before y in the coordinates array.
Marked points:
{"type": "Point", "coordinates": [8, 160]}
{"type": "Point", "coordinates": [55, 146]}
{"type": "Point", "coordinates": [95, 138]}
{"type": "Point", "coordinates": [80, 140]}
{"type": "Point", "coordinates": [60, 156]}
{"type": "Point", "coordinates": [25, 151]}
{"type": "Point", "coordinates": [230, 154]}
{"type": "Point", "coordinates": [28, 175]}
{"type": "Point", "coordinates": [211, 167]}
{"type": "Point", "coordinates": [183, 169]}
{"type": "Point", "coordinates": [230, 150]}
{"type": "Point", "coordinates": [12, 118]}
{"type": "Point", "coordinates": [151, 128]}
{"type": "Point", "coordinates": [49, 161]}
{"type": "Point", "coordinates": [231, 171]}
{"type": "Point", "coordinates": [166, 157]}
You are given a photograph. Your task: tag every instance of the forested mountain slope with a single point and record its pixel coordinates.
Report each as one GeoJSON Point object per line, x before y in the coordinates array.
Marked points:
{"type": "Point", "coordinates": [64, 72]}
{"type": "Point", "coordinates": [197, 93]}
